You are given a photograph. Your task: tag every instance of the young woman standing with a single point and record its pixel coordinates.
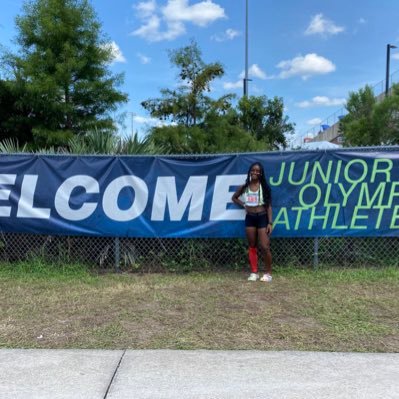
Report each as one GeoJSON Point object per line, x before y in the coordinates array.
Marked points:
{"type": "Point", "coordinates": [255, 196]}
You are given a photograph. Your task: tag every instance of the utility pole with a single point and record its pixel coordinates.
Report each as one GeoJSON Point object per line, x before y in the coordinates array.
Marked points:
{"type": "Point", "coordinates": [131, 120]}
{"type": "Point", "coordinates": [389, 46]}
{"type": "Point", "coordinates": [246, 51]}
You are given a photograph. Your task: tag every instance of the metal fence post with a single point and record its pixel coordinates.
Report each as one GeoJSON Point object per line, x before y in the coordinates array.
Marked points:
{"type": "Point", "coordinates": [316, 253]}
{"type": "Point", "coordinates": [117, 254]}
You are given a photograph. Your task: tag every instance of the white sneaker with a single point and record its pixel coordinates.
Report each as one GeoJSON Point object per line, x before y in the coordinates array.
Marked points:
{"type": "Point", "coordinates": [267, 278]}
{"type": "Point", "coordinates": [253, 277]}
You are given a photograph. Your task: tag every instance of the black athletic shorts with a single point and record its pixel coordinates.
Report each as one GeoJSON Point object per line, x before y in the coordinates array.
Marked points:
{"type": "Point", "coordinates": [258, 219]}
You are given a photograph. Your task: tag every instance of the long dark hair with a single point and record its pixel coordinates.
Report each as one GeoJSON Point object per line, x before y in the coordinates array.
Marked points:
{"type": "Point", "coordinates": [266, 191]}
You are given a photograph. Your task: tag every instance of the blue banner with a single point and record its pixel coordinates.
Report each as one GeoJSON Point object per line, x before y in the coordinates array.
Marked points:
{"type": "Point", "coordinates": [315, 193]}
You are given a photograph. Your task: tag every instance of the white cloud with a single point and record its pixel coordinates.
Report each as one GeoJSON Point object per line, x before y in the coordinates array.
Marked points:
{"type": "Point", "coordinates": [116, 52]}
{"type": "Point", "coordinates": [322, 101]}
{"type": "Point", "coordinates": [143, 58]}
{"type": "Point", "coordinates": [228, 34]}
{"type": "Point", "coordinates": [200, 14]}
{"type": "Point", "coordinates": [151, 30]}
{"type": "Point", "coordinates": [361, 20]}
{"type": "Point", "coordinates": [231, 33]}
{"type": "Point", "coordinates": [143, 120]}
{"type": "Point", "coordinates": [314, 121]}
{"type": "Point", "coordinates": [233, 85]}
{"type": "Point", "coordinates": [254, 72]}
{"type": "Point", "coordinates": [307, 66]}
{"type": "Point", "coordinates": [323, 26]}
{"type": "Point", "coordinates": [168, 22]}
{"type": "Point", "coordinates": [145, 9]}
{"type": "Point", "coordinates": [395, 56]}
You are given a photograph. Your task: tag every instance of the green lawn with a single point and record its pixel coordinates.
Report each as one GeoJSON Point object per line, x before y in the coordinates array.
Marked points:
{"type": "Point", "coordinates": [324, 310]}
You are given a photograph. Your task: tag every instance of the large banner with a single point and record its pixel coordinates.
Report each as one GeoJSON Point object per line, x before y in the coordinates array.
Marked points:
{"type": "Point", "coordinates": [315, 193]}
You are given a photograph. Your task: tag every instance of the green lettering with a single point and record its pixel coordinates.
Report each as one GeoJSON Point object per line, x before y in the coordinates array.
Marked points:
{"type": "Point", "coordinates": [328, 195]}
{"type": "Point", "coordinates": [301, 193]}
{"type": "Point", "coordinates": [385, 170]}
{"type": "Point", "coordinates": [337, 171]}
{"type": "Point", "coordinates": [334, 222]}
{"type": "Point", "coordinates": [304, 173]}
{"type": "Point", "coordinates": [365, 195]}
{"type": "Point", "coordinates": [323, 217]}
{"type": "Point", "coordinates": [282, 218]}
{"type": "Point", "coordinates": [346, 194]}
{"type": "Point", "coordinates": [362, 175]}
{"type": "Point", "coordinates": [355, 216]}
{"type": "Point", "coordinates": [395, 216]}
{"type": "Point", "coordinates": [324, 176]}
{"type": "Point", "coordinates": [393, 193]}
{"type": "Point", "coordinates": [298, 216]}
{"type": "Point", "coordinates": [280, 178]}
{"type": "Point", "coordinates": [380, 212]}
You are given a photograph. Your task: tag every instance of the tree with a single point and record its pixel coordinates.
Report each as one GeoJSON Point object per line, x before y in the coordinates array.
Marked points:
{"type": "Point", "coordinates": [217, 133]}
{"type": "Point", "coordinates": [179, 139]}
{"type": "Point", "coordinates": [63, 68]}
{"type": "Point", "coordinates": [188, 104]}
{"type": "Point", "coordinates": [358, 126]}
{"type": "Point", "coordinates": [201, 124]}
{"type": "Point", "coordinates": [226, 134]}
{"type": "Point", "coordinates": [14, 121]}
{"type": "Point", "coordinates": [371, 121]}
{"type": "Point", "coordinates": [189, 110]}
{"type": "Point", "coordinates": [386, 118]}
{"type": "Point", "coordinates": [96, 142]}
{"type": "Point", "coordinates": [265, 120]}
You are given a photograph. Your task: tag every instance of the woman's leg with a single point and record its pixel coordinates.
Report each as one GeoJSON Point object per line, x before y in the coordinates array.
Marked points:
{"type": "Point", "coordinates": [264, 241]}
{"type": "Point", "coordinates": [252, 250]}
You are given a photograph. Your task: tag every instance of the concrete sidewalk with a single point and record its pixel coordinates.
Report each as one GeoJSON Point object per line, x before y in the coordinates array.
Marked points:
{"type": "Point", "coordinates": [104, 374]}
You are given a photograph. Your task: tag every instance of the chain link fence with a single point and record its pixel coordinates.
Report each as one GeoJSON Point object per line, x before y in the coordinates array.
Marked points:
{"type": "Point", "coordinates": [184, 255]}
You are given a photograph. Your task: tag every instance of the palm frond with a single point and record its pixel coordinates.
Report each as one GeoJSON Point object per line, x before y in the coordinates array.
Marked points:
{"type": "Point", "coordinates": [101, 142]}
{"type": "Point", "coordinates": [77, 145]}
{"type": "Point", "coordinates": [134, 145]}
{"type": "Point", "coordinates": [49, 150]}
{"type": "Point", "coordinates": [11, 146]}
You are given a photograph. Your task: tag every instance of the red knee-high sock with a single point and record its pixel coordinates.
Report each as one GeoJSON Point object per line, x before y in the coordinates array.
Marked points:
{"type": "Point", "coordinates": [253, 259]}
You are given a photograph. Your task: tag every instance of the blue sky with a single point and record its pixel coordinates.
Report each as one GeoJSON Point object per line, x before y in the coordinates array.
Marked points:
{"type": "Point", "coordinates": [311, 53]}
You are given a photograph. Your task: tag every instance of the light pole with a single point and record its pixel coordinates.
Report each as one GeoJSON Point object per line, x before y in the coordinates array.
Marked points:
{"type": "Point", "coordinates": [131, 120]}
{"type": "Point", "coordinates": [389, 46]}
{"type": "Point", "coordinates": [246, 51]}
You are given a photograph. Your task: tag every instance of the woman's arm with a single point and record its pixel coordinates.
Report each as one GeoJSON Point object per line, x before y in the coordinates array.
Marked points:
{"type": "Point", "coordinates": [269, 227]}
{"type": "Point", "coordinates": [236, 196]}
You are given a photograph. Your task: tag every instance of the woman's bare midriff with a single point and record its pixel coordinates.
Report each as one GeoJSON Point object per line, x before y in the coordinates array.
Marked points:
{"type": "Point", "coordinates": [255, 209]}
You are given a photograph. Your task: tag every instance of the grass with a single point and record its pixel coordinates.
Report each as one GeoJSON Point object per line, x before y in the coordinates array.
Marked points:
{"type": "Point", "coordinates": [45, 306]}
